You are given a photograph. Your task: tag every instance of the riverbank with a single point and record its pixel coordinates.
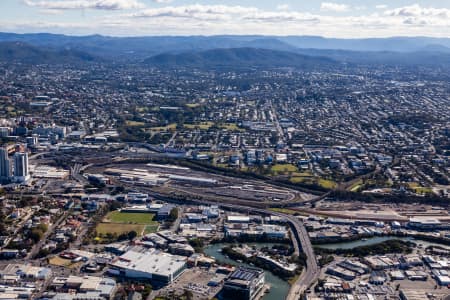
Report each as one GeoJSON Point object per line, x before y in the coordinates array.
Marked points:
{"type": "Point", "coordinates": [378, 239]}
{"type": "Point", "coordinates": [279, 288]}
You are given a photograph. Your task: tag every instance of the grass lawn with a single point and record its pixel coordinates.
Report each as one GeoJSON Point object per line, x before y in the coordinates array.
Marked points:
{"type": "Point", "coordinates": [130, 218]}
{"type": "Point", "coordinates": [293, 279]}
{"type": "Point", "coordinates": [169, 127]}
{"type": "Point", "coordinates": [222, 166]}
{"type": "Point", "coordinates": [192, 105]}
{"type": "Point", "coordinates": [134, 123]}
{"type": "Point", "coordinates": [141, 109]}
{"type": "Point", "coordinates": [355, 187]}
{"type": "Point", "coordinates": [328, 184]}
{"type": "Point", "coordinates": [201, 126]}
{"type": "Point", "coordinates": [119, 228]}
{"type": "Point", "coordinates": [302, 174]}
{"type": "Point", "coordinates": [231, 127]}
{"type": "Point", "coordinates": [419, 189]}
{"type": "Point", "coordinates": [300, 179]}
{"type": "Point", "coordinates": [284, 168]}
{"type": "Point", "coordinates": [423, 190]}
{"type": "Point", "coordinates": [283, 210]}
{"type": "Point", "coordinates": [124, 222]}
{"type": "Point", "coordinates": [151, 229]}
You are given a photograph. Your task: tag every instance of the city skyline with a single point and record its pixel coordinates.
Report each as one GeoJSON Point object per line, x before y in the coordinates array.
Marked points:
{"type": "Point", "coordinates": [340, 19]}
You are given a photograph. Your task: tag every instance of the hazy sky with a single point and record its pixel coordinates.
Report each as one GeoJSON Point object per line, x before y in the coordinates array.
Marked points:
{"type": "Point", "coordinates": [339, 18]}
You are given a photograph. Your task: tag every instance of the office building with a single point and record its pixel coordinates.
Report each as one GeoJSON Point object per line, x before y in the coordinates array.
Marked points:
{"type": "Point", "coordinates": [4, 132]}
{"type": "Point", "coordinates": [21, 172]}
{"type": "Point", "coordinates": [32, 141]}
{"type": "Point", "coordinates": [5, 165]}
{"type": "Point", "coordinates": [243, 284]}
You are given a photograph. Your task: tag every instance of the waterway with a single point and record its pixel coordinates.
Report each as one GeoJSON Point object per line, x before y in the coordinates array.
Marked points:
{"type": "Point", "coordinates": [376, 240]}
{"type": "Point", "coordinates": [278, 287]}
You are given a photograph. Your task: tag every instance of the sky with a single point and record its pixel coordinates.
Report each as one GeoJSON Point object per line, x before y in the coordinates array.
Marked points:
{"type": "Point", "coordinates": [329, 18]}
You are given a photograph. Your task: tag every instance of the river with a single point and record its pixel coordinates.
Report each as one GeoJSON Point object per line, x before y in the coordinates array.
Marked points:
{"type": "Point", "coordinates": [278, 287]}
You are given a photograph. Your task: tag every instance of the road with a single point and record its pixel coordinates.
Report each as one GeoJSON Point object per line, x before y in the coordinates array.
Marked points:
{"type": "Point", "coordinates": [172, 138]}
{"type": "Point", "coordinates": [276, 122]}
{"type": "Point", "coordinates": [35, 250]}
{"type": "Point", "coordinates": [75, 173]}
{"type": "Point", "coordinates": [177, 222]}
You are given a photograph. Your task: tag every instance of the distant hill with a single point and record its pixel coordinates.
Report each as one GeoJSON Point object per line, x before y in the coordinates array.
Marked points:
{"type": "Point", "coordinates": [209, 50]}
{"type": "Point", "coordinates": [391, 44]}
{"type": "Point", "coordinates": [436, 48]}
{"type": "Point", "coordinates": [239, 57]}
{"type": "Point", "coordinates": [141, 47]}
{"type": "Point", "coordinates": [25, 53]}
{"type": "Point", "coordinates": [426, 57]}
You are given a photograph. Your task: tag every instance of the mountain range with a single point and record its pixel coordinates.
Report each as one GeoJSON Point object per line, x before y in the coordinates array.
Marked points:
{"type": "Point", "coordinates": [28, 54]}
{"type": "Point", "coordinates": [233, 50]}
{"type": "Point", "coordinates": [239, 57]}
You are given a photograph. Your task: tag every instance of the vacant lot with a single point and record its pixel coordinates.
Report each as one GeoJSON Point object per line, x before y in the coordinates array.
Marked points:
{"type": "Point", "coordinates": [119, 228]}
{"type": "Point", "coordinates": [284, 168]}
{"type": "Point", "coordinates": [62, 262]}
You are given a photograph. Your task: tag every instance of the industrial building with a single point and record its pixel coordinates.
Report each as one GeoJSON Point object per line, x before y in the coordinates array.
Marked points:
{"type": "Point", "coordinates": [243, 284]}
{"type": "Point", "coordinates": [82, 287]}
{"type": "Point", "coordinates": [150, 264]}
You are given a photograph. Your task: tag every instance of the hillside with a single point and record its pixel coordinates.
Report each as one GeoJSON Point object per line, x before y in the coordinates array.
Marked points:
{"type": "Point", "coordinates": [25, 53]}
{"type": "Point", "coordinates": [239, 57]}
{"type": "Point", "coordinates": [141, 47]}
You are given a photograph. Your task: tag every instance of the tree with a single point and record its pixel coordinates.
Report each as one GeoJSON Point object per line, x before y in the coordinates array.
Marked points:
{"type": "Point", "coordinates": [173, 216]}
{"type": "Point", "coordinates": [132, 234]}
{"type": "Point", "coordinates": [189, 295]}
{"type": "Point", "coordinates": [36, 235]}
{"type": "Point", "coordinates": [42, 227]}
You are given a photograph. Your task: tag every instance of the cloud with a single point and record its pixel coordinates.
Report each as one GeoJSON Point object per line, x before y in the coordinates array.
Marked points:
{"type": "Point", "coordinates": [418, 11]}
{"type": "Point", "coordinates": [283, 7]}
{"type": "Point", "coordinates": [381, 6]}
{"type": "Point", "coordinates": [162, 1]}
{"type": "Point", "coordinates": [236, 19]}
{"type": "Point", "coordinates": [335, 7]}
{"type": "Point", "coordinates": [51, 11]}
{"type": "Point", "coordinates": [196, 11]}
{"type": "Point", "coordinates": [86, 4]}
{"type": "Point", "coordinates": [216, 13]}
